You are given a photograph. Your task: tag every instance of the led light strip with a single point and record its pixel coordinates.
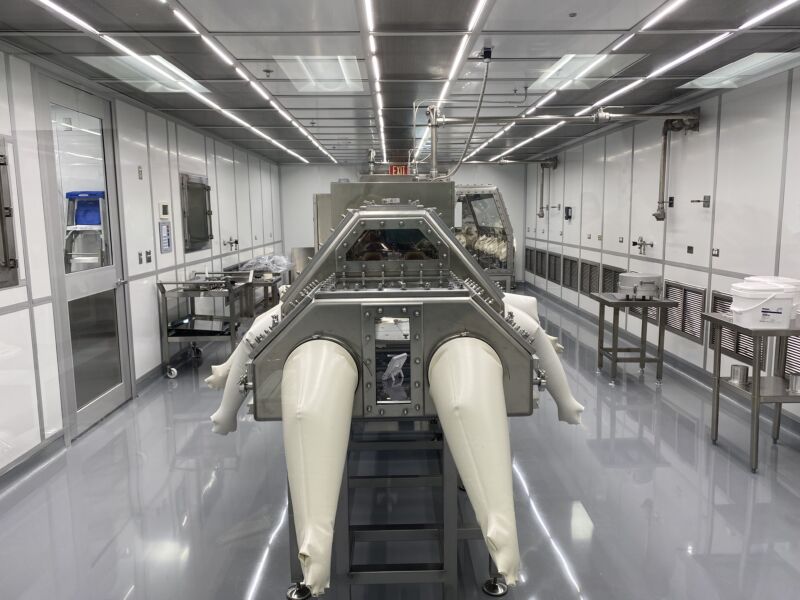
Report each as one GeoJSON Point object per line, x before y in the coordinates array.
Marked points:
{"type": "Point", "coordinates": [462, 47]}
{"type": "Point", "coordinates": [376, 71]}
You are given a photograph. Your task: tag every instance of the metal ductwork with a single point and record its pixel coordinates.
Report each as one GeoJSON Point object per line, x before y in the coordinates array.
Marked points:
{"type": "Point", "coordinates": [683, 123]}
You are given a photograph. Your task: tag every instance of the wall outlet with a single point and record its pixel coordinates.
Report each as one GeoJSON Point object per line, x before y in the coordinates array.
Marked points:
{"type": "Point", "coordinates": [715, 252]}
{"type": "Point", "coordinates": [621, 240]}
{"type": "Point", "coordinates": [671, 202]}
{"type": "Point", "coordinates": [689, 249]}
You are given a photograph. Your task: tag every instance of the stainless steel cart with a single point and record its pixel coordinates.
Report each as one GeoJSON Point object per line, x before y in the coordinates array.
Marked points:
{"type": "Point", "coordinates": [761, 390]}
{"type": "Point", "coordinates": [194, 328]}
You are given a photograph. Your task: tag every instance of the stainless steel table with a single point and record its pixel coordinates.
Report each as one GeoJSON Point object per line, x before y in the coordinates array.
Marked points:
{"type": "Point", "coordinates": [613, 352]}
{"type": "Point", "coordinates": [761, 390]}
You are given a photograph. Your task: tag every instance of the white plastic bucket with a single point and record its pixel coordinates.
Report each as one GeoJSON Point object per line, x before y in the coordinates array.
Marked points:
{"type": "Point", "coordinates": [762, 305]}
{"type": "Point", "coordinates": [783, 281]}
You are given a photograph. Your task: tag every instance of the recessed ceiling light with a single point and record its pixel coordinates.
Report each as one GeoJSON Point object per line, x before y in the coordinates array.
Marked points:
{"type": "Point", "coordinates": [746, 70]}
{"type": "Point", "coordinates": [622, 42]}
{"type": "Point", "coordinates": [369, 14]}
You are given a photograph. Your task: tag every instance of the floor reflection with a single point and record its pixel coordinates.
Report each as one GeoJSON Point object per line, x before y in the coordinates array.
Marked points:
{"type": "Point", "coordinates": [635, 503]}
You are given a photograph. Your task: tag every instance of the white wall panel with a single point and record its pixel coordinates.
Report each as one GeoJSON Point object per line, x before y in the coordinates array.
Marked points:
{"type": "Point", "coordinates": [160, 185]}
{"type": "Point", "coordinates": [47, 360]}
{"type": "Point", "coordinates": [691, 176]}
{"type": "Point", "coordinates": [593, 184]}
{"type": "Point", "coordinates": [29, 175]}
{"type": "Point", "coordinates": [644, 194]}
{"type": "Point", "coordinates": [5, 104]}
{"type": "Point", "coordinates": [243, 215]}
{"type": "Point", "coordinates": [19, 414]}
{"type": "Point", "coordinates": [211, 161]}
{"type": "Point", "coordinates": [256, 206]}
{"type": "Point", "coordinates": [191, 152]}
{"type": "Point", "coordinates": [278, 229]}
{"type": "Point", "coordinates": [145, 331]}
{"type": "Point", "coordinates": [749, 177]}
{"type": "Point", "coordinates": [294, 195]}
{"type": "Point", "coordinates": [617, 190]}
{"type": "Point", "coordinates": [175, 187]}
{"type": "Point", "coordinates": [266, 202]}
{"type": "Point", "coordinates": [790, 238]}
{"type": "Point", "coordinates": [134, 189]}
{"type": "Point", "coordinates": [573, 190]}
{"type": "Point", "coordinates": [531, 200]}
{"type": "Point", "coordinates": [226, 194]}
{"type": "Point", "coordinates": [555, 206]}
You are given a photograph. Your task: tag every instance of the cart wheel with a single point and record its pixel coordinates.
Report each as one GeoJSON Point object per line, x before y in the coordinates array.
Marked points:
{"type": "Point", "coordinates": [172, 372]}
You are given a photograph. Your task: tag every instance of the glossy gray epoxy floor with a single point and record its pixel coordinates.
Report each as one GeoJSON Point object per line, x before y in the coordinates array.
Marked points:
{"type": "Point", "coordinates": [634, 504]}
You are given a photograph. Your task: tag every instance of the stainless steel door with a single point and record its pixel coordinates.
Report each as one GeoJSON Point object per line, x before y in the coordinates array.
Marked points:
{"type": "Point", "coordinates": [77, 159]}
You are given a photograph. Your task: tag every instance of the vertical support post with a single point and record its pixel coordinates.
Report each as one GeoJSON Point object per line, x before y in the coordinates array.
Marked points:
{"type": "Point", "coordinates": [716, 334]}
{"type": "Point", "coordinates": [755, 403]}
{"type": "Point", "coordinates": [614, 344]}
{"type": "Point", "coordinates": [643, 346]}
{"type": "Point", "coordinates": [662, 327]}
{"type": "Point", "coordinates": [450, 524]}
{"type": "Point", "coordinates": [295, 570]}
{"type": "Point", "coordinates": [600, 335]}
{"type": "Point", "coordinates": [779, 370]}
{"type": "Point", "coordinates": [433, 117]}
{"type": "Point", "coordinates": [341, 537]}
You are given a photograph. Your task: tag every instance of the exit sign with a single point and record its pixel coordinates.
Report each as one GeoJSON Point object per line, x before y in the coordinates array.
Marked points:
{"type": "Point", "coordinates": [398, 169]}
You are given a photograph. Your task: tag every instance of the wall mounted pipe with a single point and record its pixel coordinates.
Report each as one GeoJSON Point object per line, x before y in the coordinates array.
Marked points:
{"type": "Point", "coordinates": [670, 125]}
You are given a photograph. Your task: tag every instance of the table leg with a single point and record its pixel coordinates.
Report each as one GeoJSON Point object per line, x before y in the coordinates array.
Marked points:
{"type": "Point", "coordinates": [755, 400]}
{"type": "Point", "coordinates": [600, 335]}
{"type": "Point", "coordinates": [779, 370]}
{"type": "Point", "coordinates": [662, 326]}
{"type": "Point", "coordinates": [614, 344]}
{"type": "Point", "coordinates": [643, 340]}
{"type": "Point", "coordinates": [716, 333]}
{"type": "Point", "coordinates": [776, 422]}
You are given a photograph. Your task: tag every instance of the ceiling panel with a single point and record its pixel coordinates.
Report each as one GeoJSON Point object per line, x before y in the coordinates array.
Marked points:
{"type": "Point", "coordinates": [428, 57]}
{"type": "Point", "coordinates": [258, 15]}
{"type": "Point", "coordinates": [267, 47]}
{"type": "Point", "coordinates": [523, 15]}
{"type": "Point", "coordinates": [24, 15]}
{"type": "Point", "coordinates": [422, 15]}
{"type": "Point", "coordinates": [542, 45]}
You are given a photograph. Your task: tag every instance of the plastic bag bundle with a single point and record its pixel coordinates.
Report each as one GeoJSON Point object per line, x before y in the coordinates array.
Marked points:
{"type": "Point", "coordinates": [273, 263]}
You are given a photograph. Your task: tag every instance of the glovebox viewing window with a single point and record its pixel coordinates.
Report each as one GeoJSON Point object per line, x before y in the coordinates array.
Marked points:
{"type": "Point", "coordinates": [196, 206]}
{"type": "Point", "coordinates": [392, 244]}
